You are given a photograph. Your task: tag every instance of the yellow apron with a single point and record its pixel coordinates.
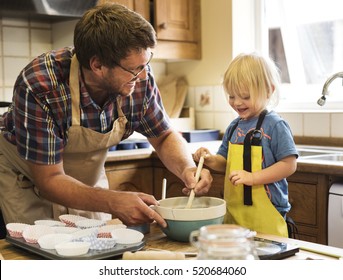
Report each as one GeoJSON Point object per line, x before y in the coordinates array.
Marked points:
{"type": "Point", "coordinates": [261, 216]}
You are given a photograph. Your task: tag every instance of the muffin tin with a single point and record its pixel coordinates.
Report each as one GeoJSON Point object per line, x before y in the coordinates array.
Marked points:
{"type": "Point", "coordinates": [115, 251]}
{"type": "Point", "coordinates": [84, 243]}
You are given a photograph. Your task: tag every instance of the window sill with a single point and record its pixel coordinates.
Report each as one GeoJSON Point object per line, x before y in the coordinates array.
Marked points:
{"type": "Point", "coordinates": [320, 111]}
{"type": "Point", "coordinates": [331, 106]}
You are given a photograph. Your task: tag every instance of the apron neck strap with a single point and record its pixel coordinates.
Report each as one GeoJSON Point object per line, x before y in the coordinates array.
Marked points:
{"type": "Point", "coordinates": [75, 90]}
{"type": "Point", "coordinates": [253, 138]}
{"type": "Point", "coordinates": [256, 134]}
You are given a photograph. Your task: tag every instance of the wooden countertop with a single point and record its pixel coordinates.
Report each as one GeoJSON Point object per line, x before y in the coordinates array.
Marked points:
{"type": "Point", "coordinates": [156, 240]}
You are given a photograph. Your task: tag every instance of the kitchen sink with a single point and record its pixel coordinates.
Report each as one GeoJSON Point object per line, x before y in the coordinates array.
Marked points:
{"type": "Point", "coordinates": [307, 150]}
{"type": "Point", "coordinates": [320, 154]}
{"type": "Point", "coordinates": [312, 152]}
{"type": "Point", "coordinates": [328, 157]}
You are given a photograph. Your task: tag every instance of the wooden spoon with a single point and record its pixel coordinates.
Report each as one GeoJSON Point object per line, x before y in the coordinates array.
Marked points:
{"type": "Point", "coordinates": [164, 188]}
{"type": "Point", "coordinates": [197, 176]}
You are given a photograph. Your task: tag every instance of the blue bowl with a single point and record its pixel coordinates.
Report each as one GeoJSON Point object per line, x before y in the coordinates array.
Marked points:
{"type": "Point", "coordinates": [182, 221]}
{"type": "Point", "coordinates": [142, 144]}
{"type": "Point", "coordinates": [144, 228]}
{"type": "Point", "coordinates": [126, 146]}
{"type": "Point", "coordinates": [201, 135]}
{"type": "Point", "coordinates": [181, 230]}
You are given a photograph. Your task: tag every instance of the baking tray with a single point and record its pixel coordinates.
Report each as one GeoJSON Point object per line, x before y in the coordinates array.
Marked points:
{"type": "Point", "coordinates": [273, 250]}
{"type": "Point", "coordinates": [116, 251]}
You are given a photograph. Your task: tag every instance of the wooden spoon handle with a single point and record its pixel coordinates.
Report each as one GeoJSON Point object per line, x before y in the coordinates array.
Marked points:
{"type": "Point", "coordinates": [197, 177]}
{"type": "Point", "coordinates": [197, 174]}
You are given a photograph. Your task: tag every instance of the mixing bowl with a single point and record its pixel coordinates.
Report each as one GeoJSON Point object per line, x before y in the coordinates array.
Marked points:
{"type": "Point", "coordinates": [181, 222]}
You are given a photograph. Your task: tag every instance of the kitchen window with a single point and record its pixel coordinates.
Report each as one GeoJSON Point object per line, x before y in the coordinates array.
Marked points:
{"type": "Point", "coordinates": [305, 39]}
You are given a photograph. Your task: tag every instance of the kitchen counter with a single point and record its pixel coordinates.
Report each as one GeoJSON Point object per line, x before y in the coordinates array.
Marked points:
{"type": "Point", "coordinates": [145, 153]}
{"type": "Point", "coordinates": [129, 154]}
{"type": "Point", "coordinates": [156, 240]}
{"type": "Point", "coordinates": [329, 168]}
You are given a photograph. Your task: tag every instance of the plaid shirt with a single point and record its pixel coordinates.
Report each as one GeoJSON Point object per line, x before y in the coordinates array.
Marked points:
{"type": "Point", "coordinates": [38, 122]}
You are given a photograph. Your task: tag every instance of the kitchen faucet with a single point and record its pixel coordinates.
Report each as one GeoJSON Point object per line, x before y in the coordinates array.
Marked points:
{"type": "Point", "coordinates": [321, 100]}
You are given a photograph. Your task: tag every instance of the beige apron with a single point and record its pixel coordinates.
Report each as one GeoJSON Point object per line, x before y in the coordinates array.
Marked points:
{"type": "Point", "coordinates": [261, 216]}
{"type": "Point", "coordinates": [85, 154]}
{"type": "Point", "coordinates": [83, 158]}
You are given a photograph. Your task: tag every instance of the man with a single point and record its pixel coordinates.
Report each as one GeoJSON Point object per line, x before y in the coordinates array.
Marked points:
{"type": "Point", "coordinates": [69, 106]}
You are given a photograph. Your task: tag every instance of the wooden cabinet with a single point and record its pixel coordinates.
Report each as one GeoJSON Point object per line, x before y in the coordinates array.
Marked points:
{"type": "Point", "coordinates": [308, 195]}
{"type": "Point", "coordinates": [176, 20]}
{"type": "Point", "coordinates": [177, 24]}
{"type": "Point", "coordinates": [140, 6]}
{"type": "Point", "coordinates": [136, 175]}
{"type": "Point", "coordinates": [178, 27]}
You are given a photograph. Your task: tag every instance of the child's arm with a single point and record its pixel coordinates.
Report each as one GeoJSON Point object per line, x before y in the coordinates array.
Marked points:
{"type": "Point", "coordinates": [215, 162]}
{"type": "Point", "coordinates": [279, 170]}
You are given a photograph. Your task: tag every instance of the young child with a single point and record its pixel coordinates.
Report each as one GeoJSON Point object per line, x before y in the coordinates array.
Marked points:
{"type": "Point", "coordinates": [258, 152]}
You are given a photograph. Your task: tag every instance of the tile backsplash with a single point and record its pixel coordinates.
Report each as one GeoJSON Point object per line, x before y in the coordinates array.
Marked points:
{"type": "Point", "coordinates": [215, 113]}
{"type": "Point", "coordinates": [212, 110]}
{"type": "Point", "coordinates": [20, 41]}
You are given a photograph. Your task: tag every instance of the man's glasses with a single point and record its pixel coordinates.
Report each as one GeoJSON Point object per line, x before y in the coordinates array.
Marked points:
{"type": "Point", "coordinates": [141, 68]}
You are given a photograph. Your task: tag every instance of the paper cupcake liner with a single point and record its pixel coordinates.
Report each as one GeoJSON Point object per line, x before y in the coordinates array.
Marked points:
{"type": "Point", "coordinates": [49, 241]}
{"type": "Point", "coordinates": [85, 234]}
{"type": "Point", "coordinates": [102, 243]}
{"type": "Point", "coordinates": [32, 232]}
{"type": "Point", "coordinates": [15, 230]}
{"type": "Point", "coordinates": [89, 223]}
{"type": "Point", "coordinates": [72, 248]}
{"type": "Point", "coordinates": [50, 223]}
{"type": "Point", "coordinates": [105, 231]}
{"type": "Point", "coordinates": [70, 220]}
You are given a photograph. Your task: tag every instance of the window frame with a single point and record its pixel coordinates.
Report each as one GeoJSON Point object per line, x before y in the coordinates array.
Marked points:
{"type": "Point", "coordinates": [254, 23]}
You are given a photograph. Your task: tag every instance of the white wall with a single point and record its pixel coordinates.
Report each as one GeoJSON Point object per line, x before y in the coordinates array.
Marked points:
{"type": "Point", "coordinates": [216, 46]}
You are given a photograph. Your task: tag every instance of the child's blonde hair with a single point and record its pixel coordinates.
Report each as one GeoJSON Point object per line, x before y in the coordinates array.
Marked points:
{"type": "Point", "coordinates": [254, 75]}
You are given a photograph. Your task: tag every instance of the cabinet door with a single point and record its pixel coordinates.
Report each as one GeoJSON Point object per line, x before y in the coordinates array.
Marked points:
{"type": "Point", "coordinates": [127, 3]}
{"type": "Point", "coordinates": [177, 24]}
{"type": "Point", "coordinates": [177, 20]}
{"type": "Point", "coordinates": [308, 195]}
{"type": "Point", "coordinates": [139, 6]}
{"type": "Point", "coordinates": [135, 180]}
{"type": "Point", "coordinates": [131, 175]}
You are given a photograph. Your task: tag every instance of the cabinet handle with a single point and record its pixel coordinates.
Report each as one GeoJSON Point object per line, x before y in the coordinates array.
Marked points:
{"type": "Point", "coordinates": [163, 25]}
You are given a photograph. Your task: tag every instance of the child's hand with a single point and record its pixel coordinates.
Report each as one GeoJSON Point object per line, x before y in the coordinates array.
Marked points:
{"type": "Point", "coordinates": [241, 177]}
{"type": "Point", "coordinates": [201, 152]}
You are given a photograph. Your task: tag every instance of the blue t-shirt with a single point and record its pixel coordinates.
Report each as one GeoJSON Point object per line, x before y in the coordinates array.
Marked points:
{"type": "Point", "coordinates": [277, 143]}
